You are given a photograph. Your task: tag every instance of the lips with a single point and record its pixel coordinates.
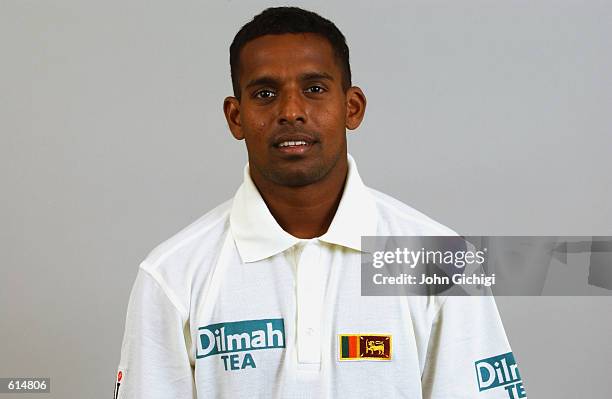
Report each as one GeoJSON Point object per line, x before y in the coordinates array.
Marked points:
{"type": "Point", "coordinates": [293, 139]}
{"type": "Point", "coordinates": [293, 143]}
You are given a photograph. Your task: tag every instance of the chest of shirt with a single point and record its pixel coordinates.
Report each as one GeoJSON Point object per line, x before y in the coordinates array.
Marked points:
{"type": "Point", "coordinates": [296, 325]}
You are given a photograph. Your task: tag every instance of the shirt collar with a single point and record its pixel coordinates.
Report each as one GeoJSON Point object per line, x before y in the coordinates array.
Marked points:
{"type": "Point", "coordinates": [258, 235]}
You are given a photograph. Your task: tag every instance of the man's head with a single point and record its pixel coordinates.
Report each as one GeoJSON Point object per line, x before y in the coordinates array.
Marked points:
{"type": "Point", "coordinates": [281, 20]}
{"type": "Point", "coordinates": [293, 96]}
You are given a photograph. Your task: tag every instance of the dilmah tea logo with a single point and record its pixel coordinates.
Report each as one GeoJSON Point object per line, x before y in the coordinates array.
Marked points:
{"type": "Point", "coordinates": [234, 341]}
{"type": "Point", "coordinates": [500, 372]}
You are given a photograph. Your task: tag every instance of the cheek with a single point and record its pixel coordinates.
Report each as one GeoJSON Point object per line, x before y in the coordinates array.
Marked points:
{"type": "Point", "coordinates": [333, 118]}
{"type": "Point", "coordinates": [255, 124]}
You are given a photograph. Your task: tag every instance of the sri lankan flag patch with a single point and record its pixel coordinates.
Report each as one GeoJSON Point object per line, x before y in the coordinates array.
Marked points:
{"type": "Point", "coordinates": [364, 346]}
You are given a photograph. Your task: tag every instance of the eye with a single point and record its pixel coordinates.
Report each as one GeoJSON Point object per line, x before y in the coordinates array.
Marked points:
{"type": "Point", "coordinates": [265, 94]}
{"type": "Point", "coordinates": [315, 89]}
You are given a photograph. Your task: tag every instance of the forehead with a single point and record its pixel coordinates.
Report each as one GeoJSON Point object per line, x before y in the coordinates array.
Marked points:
{"type": "Point", "coordinates": [286, 55]}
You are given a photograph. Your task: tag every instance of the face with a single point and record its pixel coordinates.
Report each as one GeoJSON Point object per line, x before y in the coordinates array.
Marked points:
{"type": "Point", "coordinates": [293, 112]}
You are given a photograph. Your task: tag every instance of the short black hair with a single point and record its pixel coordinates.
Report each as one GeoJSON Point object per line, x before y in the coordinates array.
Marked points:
{"type": "Point", "coordinates": [280, 20]}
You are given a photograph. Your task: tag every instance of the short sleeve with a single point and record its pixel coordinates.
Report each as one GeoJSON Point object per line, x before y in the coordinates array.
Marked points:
{"type": "Point", "coordinates": [154, 355]}
{"type": "Point", "coordinates": [468, 354]}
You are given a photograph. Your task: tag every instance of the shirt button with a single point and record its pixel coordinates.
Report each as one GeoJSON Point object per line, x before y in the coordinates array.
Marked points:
{"type": "Point", "coordinates": [310, 331]}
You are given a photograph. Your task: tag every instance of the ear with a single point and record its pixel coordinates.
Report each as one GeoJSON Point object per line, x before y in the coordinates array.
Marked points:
{"type": "Point", "coordinates": [355, 107]}
{"type": "Point", "coordinates": [231, 109]}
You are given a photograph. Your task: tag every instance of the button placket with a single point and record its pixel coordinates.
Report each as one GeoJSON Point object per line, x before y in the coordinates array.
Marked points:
{"type": "Point", "coordinates": [311, 282]}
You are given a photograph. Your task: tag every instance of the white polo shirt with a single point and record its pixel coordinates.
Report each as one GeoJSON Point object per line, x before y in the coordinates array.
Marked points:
{"type": "Point", "coordinates": [233, 306]}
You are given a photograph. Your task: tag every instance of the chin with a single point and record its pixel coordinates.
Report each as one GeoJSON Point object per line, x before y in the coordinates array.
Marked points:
{"type": "Point", "coordinates": [297, 177]}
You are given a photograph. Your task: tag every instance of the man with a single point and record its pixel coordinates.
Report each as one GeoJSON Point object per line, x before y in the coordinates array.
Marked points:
{"type": "Point", "coordinates": [260, 298]}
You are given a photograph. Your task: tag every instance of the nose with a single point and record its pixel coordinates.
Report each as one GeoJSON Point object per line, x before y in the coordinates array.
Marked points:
{"type": "Point", "coordinates": [292, 109]}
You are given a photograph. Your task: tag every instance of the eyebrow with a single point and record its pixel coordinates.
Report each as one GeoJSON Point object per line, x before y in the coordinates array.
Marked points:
{"type": "Point", "coordinates": [271, 81]}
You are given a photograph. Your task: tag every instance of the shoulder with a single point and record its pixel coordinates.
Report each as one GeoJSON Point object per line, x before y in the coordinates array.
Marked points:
{"type": "Point", "coordinates": [398, 218]}
{"type": "Point", "coordinates": [204, 231]}
{"type": "Point", "coordinates": [174, 263]}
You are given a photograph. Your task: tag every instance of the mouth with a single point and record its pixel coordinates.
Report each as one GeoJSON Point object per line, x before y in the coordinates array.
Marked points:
{"type": "Point", "coordinates": [294, 144]}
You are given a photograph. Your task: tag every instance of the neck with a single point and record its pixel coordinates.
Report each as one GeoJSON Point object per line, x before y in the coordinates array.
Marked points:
{"type": "Point", "coordinates": [306, 211]}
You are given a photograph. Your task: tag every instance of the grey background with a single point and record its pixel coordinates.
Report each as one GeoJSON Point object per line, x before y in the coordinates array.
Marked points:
{"type": "Point", "coordinates": [491, 117]}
